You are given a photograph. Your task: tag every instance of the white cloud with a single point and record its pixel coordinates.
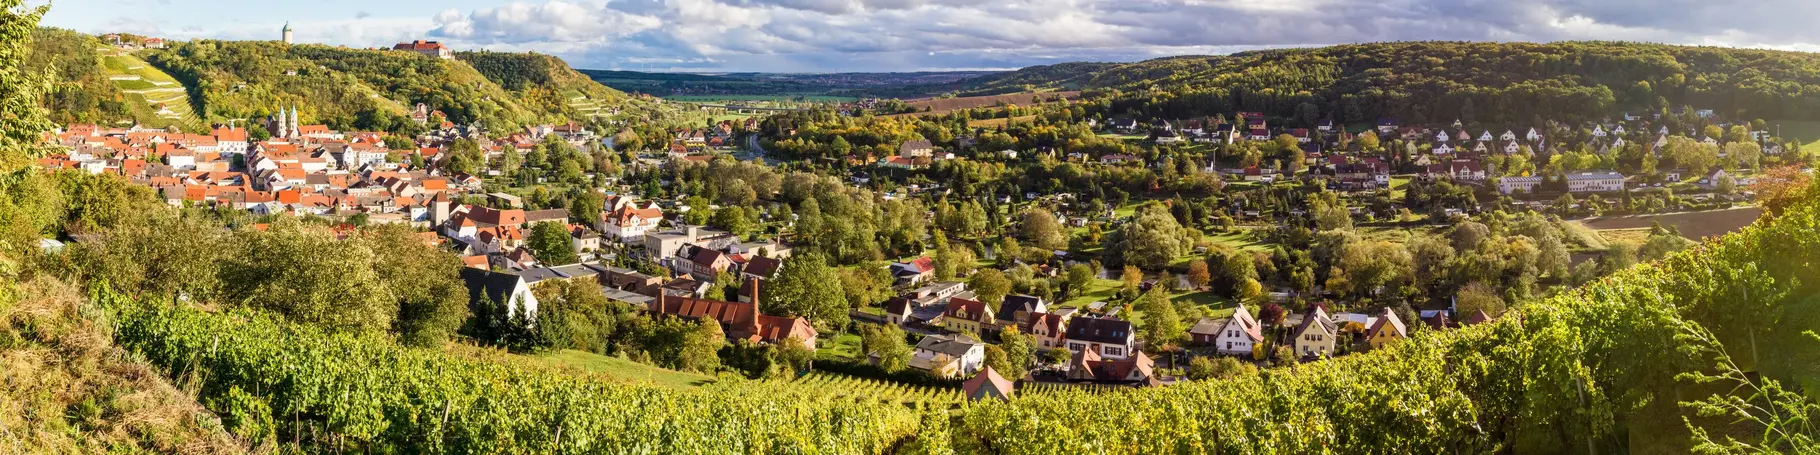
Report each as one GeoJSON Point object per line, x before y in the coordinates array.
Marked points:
{"type": "Point", "coordinates": [824, 35]}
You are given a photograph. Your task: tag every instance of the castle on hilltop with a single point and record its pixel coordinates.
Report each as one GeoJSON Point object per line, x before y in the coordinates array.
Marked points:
{"type": "Point", "coordinates": [287, 33]}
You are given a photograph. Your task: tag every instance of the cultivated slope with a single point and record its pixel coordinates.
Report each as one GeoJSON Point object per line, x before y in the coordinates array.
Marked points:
{"type": "Point", "coordinates": [97, 83]}
{"type": "Point", "coordinates": [546, 83]}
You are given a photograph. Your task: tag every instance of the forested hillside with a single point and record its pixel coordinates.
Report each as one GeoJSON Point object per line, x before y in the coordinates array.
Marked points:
{"type": "Point", "coordinates": [82, 92]}
{"type": "Point", "coordinates": [375, 89]}
{"type": "Point", "coordinates": [545, 83]}
{"type": "Point", "coordinates": [1417, 82]}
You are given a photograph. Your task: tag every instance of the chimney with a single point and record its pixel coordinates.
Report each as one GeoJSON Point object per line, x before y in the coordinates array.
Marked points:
{"type": "Point", "coordinates": [752, 283]}
{"type": "Point", "coordinates": [694, 233]}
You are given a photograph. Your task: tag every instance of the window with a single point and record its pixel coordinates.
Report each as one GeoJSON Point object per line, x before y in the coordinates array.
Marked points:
{"type": "Point", "coordinates": [1076, 346]}
{"type": "Point", "coordinates": [1114, 351]}
{"type": "Point", "coordinates": [1229, 345]}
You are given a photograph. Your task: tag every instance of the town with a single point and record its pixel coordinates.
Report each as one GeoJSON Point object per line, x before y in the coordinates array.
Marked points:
{"type": "Point", "coordinates": [685, 256]}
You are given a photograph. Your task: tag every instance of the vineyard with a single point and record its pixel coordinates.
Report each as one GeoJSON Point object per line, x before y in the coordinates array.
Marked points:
{"type": "Point", "coordinates": [1593, 368]}
{"type": "Point", "coordinates": [863, 389]}
{"type": "Point", "coordinates": [273, 382]}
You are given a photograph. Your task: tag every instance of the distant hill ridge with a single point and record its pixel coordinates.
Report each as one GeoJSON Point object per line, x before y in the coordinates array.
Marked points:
{"type": "Point", "coordinates": [1440, 81]}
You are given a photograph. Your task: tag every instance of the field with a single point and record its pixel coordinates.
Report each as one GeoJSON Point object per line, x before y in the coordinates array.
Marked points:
{"type": "Point", "coordinates": [945, 105]}
{"type": "Point", "coordinates": [777, 98]}
{"type": "Point", "coordinates": [1693, 225]}
{"type": "Point", "coordinates": [1000, 122]}
{"type": "Point", "coordinates": [622, 369]}
{"type": "Point", "coordinates": [1804, 132]}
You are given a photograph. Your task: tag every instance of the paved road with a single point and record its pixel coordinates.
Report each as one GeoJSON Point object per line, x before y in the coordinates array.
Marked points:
{"type": "Point", "coordinates": [755, 151]}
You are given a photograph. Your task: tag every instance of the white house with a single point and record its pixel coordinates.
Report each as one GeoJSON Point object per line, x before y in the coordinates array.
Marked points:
{"type": "Point", "coordinates": [948, 355]}
{"type": "Point", "coordinates": [629, 223]}
{"type": "Point", "coordinates": [1595, 182]}
{"type": "Point", "coordinates": [1485, 136]}
{"type": "Point", "coordinates": [504, 289]}
{"type": "Point", "coordinates": [1512, 148]}
{"type": "Point", "coordinates": [1240, 333]}
{"type": "Point", "coordinates": [1533, 135]}
{"type": "Point", "coordinates": [1508, 136]}
{"type": "Point", "coordinates": [1441, 137]}
{"type": "Point", "coordinates": [1111, 338]}
{"type": "Point", "coordinates": [1513, 184]}
{"type": "Point", "coordinates": [1598, 131]}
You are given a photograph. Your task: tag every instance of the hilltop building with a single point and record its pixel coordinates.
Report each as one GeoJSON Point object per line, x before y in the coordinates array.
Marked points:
{"type": "Point", "coordinates": [287, 33]}
{"type": "Point", "coordinates": [430, 49]}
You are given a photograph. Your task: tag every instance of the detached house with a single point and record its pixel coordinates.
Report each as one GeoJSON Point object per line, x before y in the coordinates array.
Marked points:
{"type": "Point", "coordinates": [1317, 334]}
{"type": "Point", "coordinates": [1049, 329]}
{"type": "Point", "coordinates": [916, 271]}
{"type": "Point", "coordinates": [948, 356]}
{"type": "Point", "coordinates": [1239, 334]}
{"type": "Point", "coordinates": [966, 316]}
{"type": "Point", "coordinates": [1090, 366]}
{"type": "Point", "coordinates": [1387, 328]}
{"type": "Point", "coordinates": [1108, 338]}
{"type": "Point", "coordinates": [916, 149]}
{"type": "Point", "coordinates": [504, 290]}
{"type": "Point", "coordinates": [1015, 311]}
{"type": "Point", "coordinates": [629, 223]}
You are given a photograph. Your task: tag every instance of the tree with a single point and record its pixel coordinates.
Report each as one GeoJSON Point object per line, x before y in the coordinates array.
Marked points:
{"type": "Point", "coordinates": [990, 286]}
{"type": "Point", "coordinates": [867, 284]}
{"type": "Point", "coordinates": [734, 219]}
{"type": "Point", "coordinates": [574, 315]}
{"type": "Point", "coordinates": [1079, 277]}
{"type": "Point", "coordinates": [807, 287]}
{"type": "Point", "coordinates": [1781, 186]}
{"type": "Point", "coordinates": [1467, 235]}
{"type": "Point", "coordinates": [1198, 276]}
{"type": "Point", "coordinates": [1040, 228]}
{"type": "Point", "coordinates": [1725, 185]}
{"type": "Point", "coordinates": [1162, 325]}
{"type": "Point", "coordinates": [700, 349]}
{"type": "Point", "coordinates": [587, 208]}
{"type": "Point", "coordinates": [551, 243]}
{"type": "Point", "coordinates": [1476, 297]}
{"type": "Point", "coordinates": [306, 275]}
{"type": "Point", "coordinates": [1017, 348]}
{"type": "Point", "coordinates": [699, 210]}
{"type": "Point", "coordinates": [887, 343]}
{"type": "Point", "coordinates": [426, 282]}
{"type": "Point", "coordinates": [1151, 240]}
{"type": "Point", "coordinates": [1131, 277]}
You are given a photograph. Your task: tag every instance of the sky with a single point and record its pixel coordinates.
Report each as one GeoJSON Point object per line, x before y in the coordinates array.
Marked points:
{"type": "Point", "coordinates": [934, 35]}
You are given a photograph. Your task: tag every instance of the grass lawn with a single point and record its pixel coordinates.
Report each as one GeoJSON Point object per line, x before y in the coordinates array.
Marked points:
{"type": "Point", "coordinates": [1126, 137]}
{"type": "Point", "coordinates": [844, 347]}
{"type": "Point", "coordinates": [1396, 187]}
{"type": "Point", "coordinates": [1805, 132]}
{"type": "Point", "coordinates": [622, 369]}
{"type": "Point", "coordinates": [1240, 239]}
{"type": "Point", "coordinates": [1097, 291]}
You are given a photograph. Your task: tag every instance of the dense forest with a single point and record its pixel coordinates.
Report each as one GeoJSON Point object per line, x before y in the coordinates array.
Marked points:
{"type": "Point", "coordinates": [542, 82]}
{"type": "Point", "coordinates": [82, 92]}
{"type": "Point", "coordinates": [1417, 82]}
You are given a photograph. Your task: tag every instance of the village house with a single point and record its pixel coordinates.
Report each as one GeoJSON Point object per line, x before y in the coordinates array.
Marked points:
{"type": "Point", "coordinates": [988, 385]}
{"type": "Point", "coordinates": [1237, 335]}
{"type": "Point", "coordinates": [966, 316]}
{"type": "Point", "coordinates": [1317, 335]}
{"type": "Point", "coordinates": [506, 290]}
{"type": "Point", "coordinates": [1015, 311]}
{"type": "Point", "coordinates": [1105, 337]}
{"type": "Point", "coordinates": [1088, 365]}
{"type": "Point", "coordinates": [629, 223]}
{"type": "Point", "coordinates": [1385, 329]}
{"type": "Point", "coordinates": [1049, 329]}
{"type": "Point", "coordinates": [948, 356]}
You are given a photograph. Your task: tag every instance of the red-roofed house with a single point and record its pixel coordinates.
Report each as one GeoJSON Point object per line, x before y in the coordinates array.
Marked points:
{"type": "Point", "coordinates": [740, 321]}
{"type": "Point", "coordinates": [430, 49]}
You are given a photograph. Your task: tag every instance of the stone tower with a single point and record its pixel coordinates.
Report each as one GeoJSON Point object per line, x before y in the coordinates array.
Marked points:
{"type": "Point", "coordinates": [287, 33]}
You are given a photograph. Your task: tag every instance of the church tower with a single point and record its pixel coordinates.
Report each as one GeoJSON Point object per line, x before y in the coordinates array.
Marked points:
{"type": "Point", "coordinates": [295, 130]}
{"type": "Point", "coordinates": [287, 33]}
